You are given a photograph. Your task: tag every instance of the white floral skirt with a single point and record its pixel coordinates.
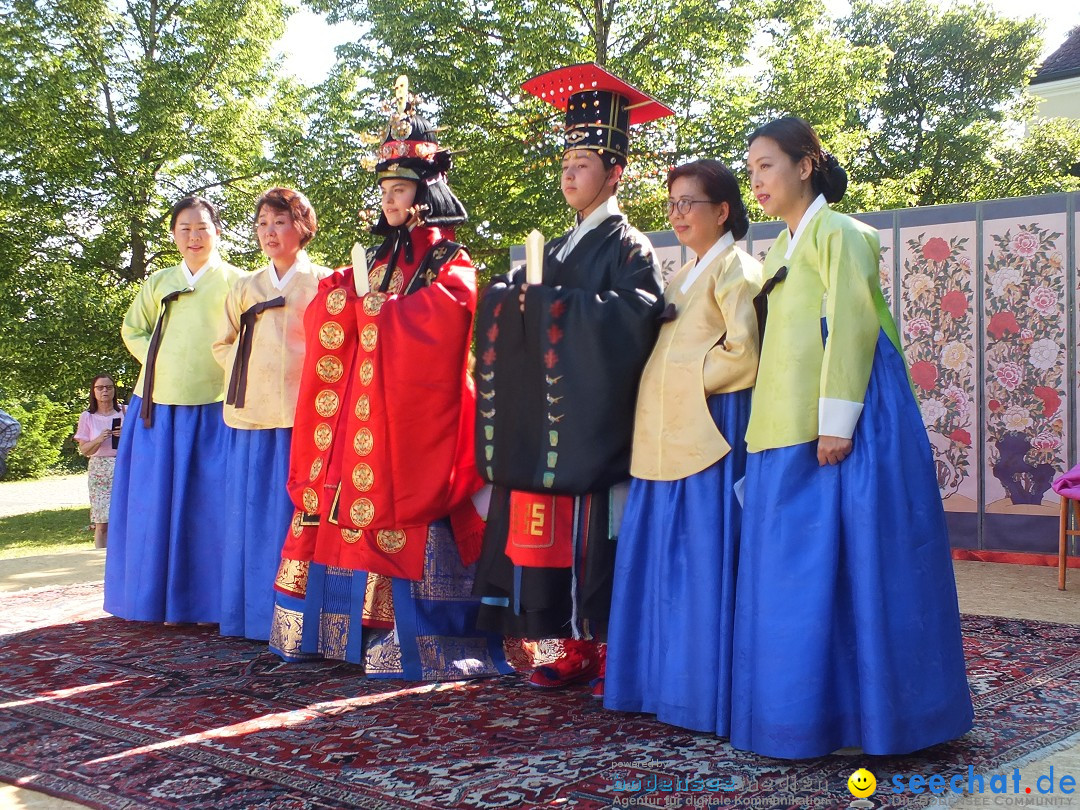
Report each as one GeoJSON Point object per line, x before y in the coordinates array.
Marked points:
{"type": "Point", "coordinates": [100, 477]}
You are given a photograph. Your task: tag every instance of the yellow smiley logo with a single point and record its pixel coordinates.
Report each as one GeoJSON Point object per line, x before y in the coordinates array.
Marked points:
{"type": "Point", "coordinates": [862, 783]}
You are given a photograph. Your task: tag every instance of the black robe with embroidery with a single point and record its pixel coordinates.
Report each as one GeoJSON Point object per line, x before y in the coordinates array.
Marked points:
{"type": "Point", "coordinates": [557, 387]}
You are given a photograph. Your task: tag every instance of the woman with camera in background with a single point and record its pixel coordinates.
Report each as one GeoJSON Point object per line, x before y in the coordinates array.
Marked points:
{"type": "Point", "coordinates": [98, 435]}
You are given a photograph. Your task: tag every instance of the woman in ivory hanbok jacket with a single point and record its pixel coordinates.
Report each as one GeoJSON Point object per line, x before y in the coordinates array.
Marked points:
{"type": "Point", "coordinates": [672, 613]}
{"type": "Point", "coordinates": [261, 347]}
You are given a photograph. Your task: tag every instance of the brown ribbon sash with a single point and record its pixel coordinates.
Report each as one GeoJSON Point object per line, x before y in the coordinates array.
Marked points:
{"type": "Point", "coordinates": [761, 301]}
{"type": "Point", "coordinates": [146, 412]}
{"type": "Point", "coordinates": [238, 380]}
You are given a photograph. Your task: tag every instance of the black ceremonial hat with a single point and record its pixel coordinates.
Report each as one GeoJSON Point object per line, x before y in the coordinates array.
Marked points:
{"type": "Point", "coordinates": [410, 146]}
{"type": "Point", "coordinates": [410, 150]}
{"type": "Point", "coordinates": [600, 108]}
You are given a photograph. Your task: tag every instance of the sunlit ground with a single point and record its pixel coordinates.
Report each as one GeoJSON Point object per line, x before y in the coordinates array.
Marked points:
{"type": "Point", "coordinates": [15, 797]}
{"type": "Point", "coordinates": [62, 568]}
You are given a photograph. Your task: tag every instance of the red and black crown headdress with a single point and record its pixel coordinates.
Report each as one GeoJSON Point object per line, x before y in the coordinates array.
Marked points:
{"type": "Point", "coordinates": [410, 150]}
{"type": "Point", "coordinates": [600, 108]}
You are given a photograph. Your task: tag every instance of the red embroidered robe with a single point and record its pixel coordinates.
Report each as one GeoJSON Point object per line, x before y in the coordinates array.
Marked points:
{"type": "Point", "coordinates": [384, 430]}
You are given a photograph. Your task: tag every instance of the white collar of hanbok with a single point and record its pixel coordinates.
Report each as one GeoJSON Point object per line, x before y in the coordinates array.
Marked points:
{"type": "Point", "coordinates": [192, 278]}
{"type": "Point", "coordinates": [609, 208]}
{"type": "Point", "coordinates": [301, 265]}
{"type": "Point", "coordinates": [815, 206]}
{"type": "Point", "coordinates": [711, 255]}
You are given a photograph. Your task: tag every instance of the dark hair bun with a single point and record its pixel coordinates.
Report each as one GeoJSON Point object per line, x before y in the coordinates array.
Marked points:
{"type": "Point", "coordinates": [738, 222]}
{"type": "Point", "coordinates": [444, 161]}
{"type": "Point", "coordinates": [830, 179]}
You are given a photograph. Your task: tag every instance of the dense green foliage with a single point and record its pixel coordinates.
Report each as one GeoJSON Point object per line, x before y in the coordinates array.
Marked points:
{"type": "Point", "coordinates": [45, 427]}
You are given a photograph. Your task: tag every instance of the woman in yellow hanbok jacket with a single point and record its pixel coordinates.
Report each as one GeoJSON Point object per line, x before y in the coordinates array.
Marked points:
{"type": "Point", "coordinates": [669, 646]}
{"type": "Point", "coordinates": [166, 518]}
{"type": "Point", "coordinates": [847, 632]}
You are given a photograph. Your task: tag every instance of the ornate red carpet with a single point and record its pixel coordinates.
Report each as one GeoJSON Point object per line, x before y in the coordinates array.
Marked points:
{"type": "Point", "coordinates": [121, 715]}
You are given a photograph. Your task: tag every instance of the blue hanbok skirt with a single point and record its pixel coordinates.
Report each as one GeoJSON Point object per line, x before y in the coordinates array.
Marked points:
{"type": "Point", "coordinates": [672, 611]}
{"type": "Point", "coordinates": [847, 632]}
{"type": "Point", "coordinates": [167, 518]}
{"type": "Point", "coordinates": [434, 635]}
{"type": "Point", "coordinates": [257, 516]}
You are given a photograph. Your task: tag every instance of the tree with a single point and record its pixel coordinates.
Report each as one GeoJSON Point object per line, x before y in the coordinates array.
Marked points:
{"type": "Point", "coordinates": [316, 147]}
{"type": "Point", "coordinates": [952, 100]}
{"type": "Point", "coordinates": [109, 113]}
{"type": "Point", "coordinates": [467, 61]}
{"type": "Point", "coordinates": [1041, 162]}
{"type": "Point", "coordinates": [45, 425]}
{"type": "Point", "coordinates": [811, 70]}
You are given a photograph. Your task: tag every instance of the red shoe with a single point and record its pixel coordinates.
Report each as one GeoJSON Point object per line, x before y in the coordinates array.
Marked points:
{"type": "Point", "coordinates": [581, 661]}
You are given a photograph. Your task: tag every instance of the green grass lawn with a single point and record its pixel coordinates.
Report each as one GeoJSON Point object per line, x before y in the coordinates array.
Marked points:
{"type": "Point", "coordinates": [45, 532]}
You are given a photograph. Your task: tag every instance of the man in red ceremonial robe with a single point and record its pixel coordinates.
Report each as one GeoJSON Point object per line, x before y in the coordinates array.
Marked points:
{"type": "Point", "coordinates": [378, 566]}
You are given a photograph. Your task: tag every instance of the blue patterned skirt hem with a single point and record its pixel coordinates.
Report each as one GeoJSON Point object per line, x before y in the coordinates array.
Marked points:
{"type": "Point", "coordinates": [434, 635]}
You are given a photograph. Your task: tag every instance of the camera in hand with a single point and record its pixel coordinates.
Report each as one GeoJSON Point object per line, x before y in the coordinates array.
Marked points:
{"type": "Point", "coordinates": [115, 426]}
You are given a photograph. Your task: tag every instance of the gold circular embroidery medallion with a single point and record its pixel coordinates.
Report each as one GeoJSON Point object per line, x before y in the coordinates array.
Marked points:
{"type": "Point", "coordinates": [397, 281]}
{"type": "Point", "coordinates": [374, 276]}
{"type": "Point", "coordinates": [362, 512]}
{"type": "Point", "coordinates": [326, 403]}
{"type": "Point", "coordinates": [351, 535]}
{"type": "Point", "coordinates": [363, 408]}
{"type": "Point", "coordinates": [297, 526]}
{"type": "Point", "coordinates": [331, 335]}
{"type": "Point", "coordinates": [311, 501]}
{"type": "Point", "coordinates": [316, 468]}
{"type": "Point", "coordinates": [335, 302]}
{"type": "Point", "coordinates": [363, 442]}
{"type": "Point", "coordinates": [329, 369]}
{"type": "Point", "coordinates": [367, 372]}
{"type": "Point", "coordinates": [369, 336]}
{"type": "Point", "coordinates": [323, 436]}
{"type": "Point", "coordinates": [363, 477]}
{"type": "Point", "coordinates": [373, 303]}
{"type": "Point", "coordinates": [390, 540]}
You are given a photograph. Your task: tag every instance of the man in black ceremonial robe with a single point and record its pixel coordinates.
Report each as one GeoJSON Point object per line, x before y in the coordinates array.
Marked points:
{"type": "Point", "coordinates": [558, 365]}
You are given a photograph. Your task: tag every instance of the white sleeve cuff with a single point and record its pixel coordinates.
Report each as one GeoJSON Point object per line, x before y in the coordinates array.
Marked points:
{"type": "Point", "coordinates": [838, 417]}
{"type": "Point", "coordinates": [481, 500]}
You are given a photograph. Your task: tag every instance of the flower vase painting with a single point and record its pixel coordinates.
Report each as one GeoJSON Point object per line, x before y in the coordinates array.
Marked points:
{"type": "Point", "coordinates": [1025, 362]}
{"type": "Point", "coordinates": [671, 260]}
{"type": "Point", "coordinates": [937, 327]}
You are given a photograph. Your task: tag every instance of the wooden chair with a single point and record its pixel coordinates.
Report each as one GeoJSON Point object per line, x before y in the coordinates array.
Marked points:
{"type": "Point", "coordinates": [1070, 514]}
